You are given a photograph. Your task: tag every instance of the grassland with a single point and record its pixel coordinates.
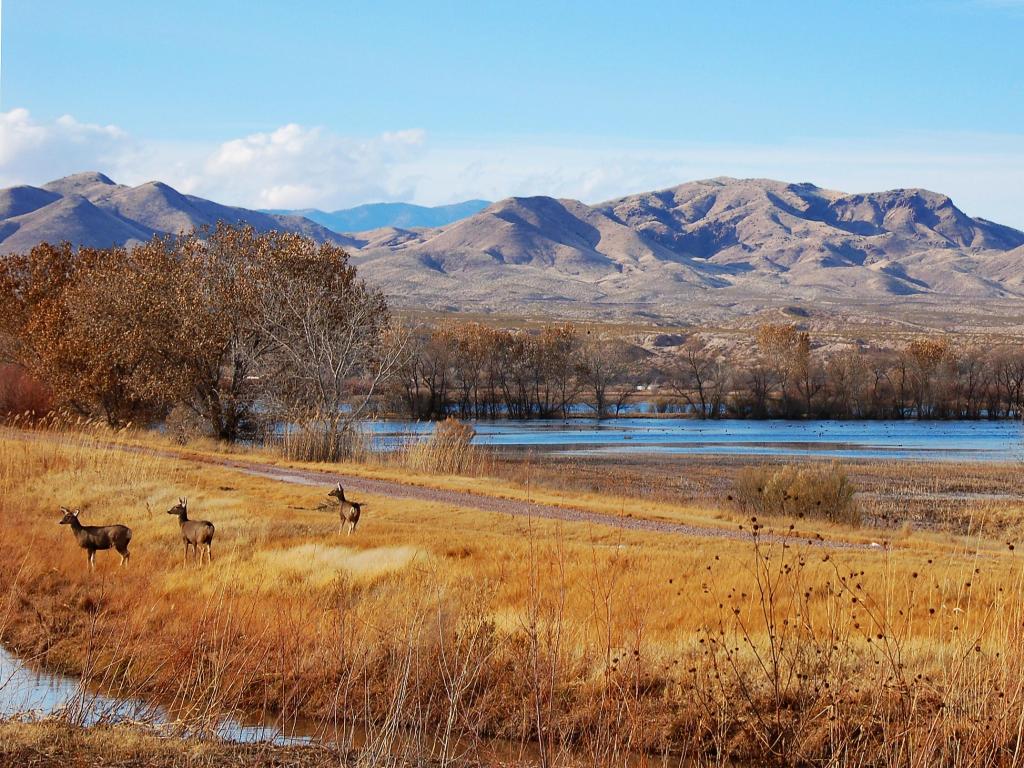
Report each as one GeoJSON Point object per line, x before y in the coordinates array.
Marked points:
{"type": "Point", "coordinates": [465, 625]}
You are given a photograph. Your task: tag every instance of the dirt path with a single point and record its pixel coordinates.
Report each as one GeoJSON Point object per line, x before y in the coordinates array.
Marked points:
{"type": "Point", "coordinates": [468, 499]}
{"type": "Point", "coordinates": [514, 507]}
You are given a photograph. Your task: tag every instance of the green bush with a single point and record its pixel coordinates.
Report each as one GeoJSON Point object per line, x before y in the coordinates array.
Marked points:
{"type": "Point", "coordinates": [819, 491]}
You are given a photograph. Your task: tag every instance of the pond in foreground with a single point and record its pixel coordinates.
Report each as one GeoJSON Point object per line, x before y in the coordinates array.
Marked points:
{"type": "Point", "coordinates": [991, 441]}
{"type": "Point", "coordinates": [29, 692]}
{"type": "Point", "coordinates": [26, 691]}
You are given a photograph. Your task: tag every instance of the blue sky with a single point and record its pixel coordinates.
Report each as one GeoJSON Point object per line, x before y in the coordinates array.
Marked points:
{"type": "Point", "coordinates": [334, 103]}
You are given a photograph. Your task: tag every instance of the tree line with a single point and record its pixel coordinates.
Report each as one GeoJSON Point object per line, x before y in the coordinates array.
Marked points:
{"type": "Point", "coordinates": [470, 370]}
{"type": "Point", "coordinates": [474, 371]}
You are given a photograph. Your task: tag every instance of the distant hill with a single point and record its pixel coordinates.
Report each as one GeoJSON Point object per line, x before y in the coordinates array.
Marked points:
{"type": "Point", "coordinates": [703, 251]}
{"type": "Point", "coordinates": [714, 247]}
{"type": "Point", "coordinates": [90, 209]}
{"type": "Point", "coordinates": [399, 215]}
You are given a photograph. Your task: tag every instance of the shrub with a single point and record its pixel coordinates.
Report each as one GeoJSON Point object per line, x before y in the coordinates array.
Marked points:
{"type": "Point", "coordinates": [449, 450]}
{"type": "Point", "coordinates": [821, 491]}
{"type": "Point", "coordinates": [320, 440]}
{"type": "Point", "coordinates": [183, 425]}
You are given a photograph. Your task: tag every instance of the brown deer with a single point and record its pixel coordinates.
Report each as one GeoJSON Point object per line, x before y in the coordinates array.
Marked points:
{"type": "Point", "coordinates": [348, 511]}
{"type": "Point", "coordinates": [93, 537]}
{"type": "Point", "coordinates": [195, 533]}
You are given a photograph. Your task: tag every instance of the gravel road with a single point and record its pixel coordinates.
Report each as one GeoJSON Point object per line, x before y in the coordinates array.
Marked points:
{"type": "Point", "coordinates": [514, 507]}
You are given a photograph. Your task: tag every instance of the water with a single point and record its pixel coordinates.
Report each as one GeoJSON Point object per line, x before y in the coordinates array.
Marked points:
{"type": "Point", "coordinates": [987, 441]}
{"type": "Point", "coordinates": [28, 691]}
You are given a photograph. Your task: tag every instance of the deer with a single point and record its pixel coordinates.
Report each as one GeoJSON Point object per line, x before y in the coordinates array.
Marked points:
{"type": "Point", "coordinates": [195, 533]}
{"type": "Point", "coordinates": [348, 511]}
{"type": "Point", "coordinates": [94, 537]}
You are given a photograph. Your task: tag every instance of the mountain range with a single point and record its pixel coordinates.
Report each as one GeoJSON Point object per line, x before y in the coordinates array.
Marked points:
{"type": "Point", "coordinates": [720, 245]}
{"type": "Point", "coordinates": [714, 248]}
{"type": "Point", "coordinates": [377, 215]}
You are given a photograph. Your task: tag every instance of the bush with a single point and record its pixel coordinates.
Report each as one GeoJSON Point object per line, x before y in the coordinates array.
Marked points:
{"type": "Point", "coordinates": [183, 425]}
{"type": "Point", "coordinates": [316, 440]}
{"type": "Point", "coordinates": [821, 491]}
{"type": "Point", "coordinates": [448, 451]}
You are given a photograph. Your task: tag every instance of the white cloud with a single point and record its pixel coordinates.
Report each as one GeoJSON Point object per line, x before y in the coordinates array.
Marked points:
{"type": "Point", "coordinates": [291, 167]}
{"type": "Point", "coordinates": [298, 166]}
{"type": "Point", "coordinates": [33, 150]}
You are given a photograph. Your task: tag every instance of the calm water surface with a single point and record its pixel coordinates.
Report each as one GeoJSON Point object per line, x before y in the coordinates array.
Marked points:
{"type": "Point", "coordinates": [27, 691]}
{"type": "Point", "coordinates": [995, 441]}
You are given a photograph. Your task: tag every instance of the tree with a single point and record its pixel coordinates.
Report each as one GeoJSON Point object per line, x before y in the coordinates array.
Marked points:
{"type": "Point", "coordinates": [779, 346]}
{"type": "Point", "coordinates": [926, 359]}
{"type": "Point", "coordinates": [808, 378]}
{"type": "Point", "coordinates": [73, 324]}
{"type": "Point", "coordinates": [330, 338]}
{"type": "Point", "coordinates": [700, 377]}
{"type": "Point", "coordinates": [606, 367]}
{"type": "Point", "coordinates": [559, 350]}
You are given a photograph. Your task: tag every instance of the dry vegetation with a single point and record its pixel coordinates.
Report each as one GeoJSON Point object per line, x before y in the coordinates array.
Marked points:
{"type": "Point", "coordinates": [59, 745]}
{"type": "Point", "coordinates": [460, 625]}
{"type": "Point", "coordinates": [813, 491]}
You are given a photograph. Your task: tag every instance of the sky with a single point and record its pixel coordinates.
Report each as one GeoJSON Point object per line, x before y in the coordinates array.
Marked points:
{"type": "Point", "coordinates": [332, 103]}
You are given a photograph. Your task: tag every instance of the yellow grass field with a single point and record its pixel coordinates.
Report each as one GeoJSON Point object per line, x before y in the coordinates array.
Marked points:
{"type": "Point", "coordinates": [592, 641]}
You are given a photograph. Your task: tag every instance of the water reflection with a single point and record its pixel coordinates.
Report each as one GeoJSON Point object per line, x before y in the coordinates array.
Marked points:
{"type": "Point", "coordinates": [26, 691]}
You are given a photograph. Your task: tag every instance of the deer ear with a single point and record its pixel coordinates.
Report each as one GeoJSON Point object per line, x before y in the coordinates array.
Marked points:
{"type": "Point", "coordinates": [75, 513]}
{"type": "Point", "coordinates": [339, 486]}
{"type": "Point", "coordinates": [65, 510]}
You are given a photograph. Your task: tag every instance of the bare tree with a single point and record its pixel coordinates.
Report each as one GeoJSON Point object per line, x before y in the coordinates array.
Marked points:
{"type": "Point", "coordinates": [699, 376]}
{"type": "Point", "coordinates": [606, 368]}
{"type": "Point", "coordinates": [333, 343]}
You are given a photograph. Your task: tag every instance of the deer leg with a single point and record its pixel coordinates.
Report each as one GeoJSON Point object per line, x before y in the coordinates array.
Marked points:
{"type": "Point", "coordinates": [92, 559]}
{"type": "Point", "coordinates": [209, 552]}
{"type": "Point", "coordinates": [184, 557]}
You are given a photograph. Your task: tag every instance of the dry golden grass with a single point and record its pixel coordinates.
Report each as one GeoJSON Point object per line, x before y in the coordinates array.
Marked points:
{"type": "Point", "coordinates": [54, 744]}
{"type": "Point", "coordinates": [469, 624]}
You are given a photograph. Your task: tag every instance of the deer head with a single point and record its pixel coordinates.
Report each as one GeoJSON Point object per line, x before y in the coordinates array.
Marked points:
{"type": "Point", "coordinates": [179, 509]}
{"type": "Point", "coordinates": [69, 516]}
{"type": "Point", "coordinates": [338, 493]}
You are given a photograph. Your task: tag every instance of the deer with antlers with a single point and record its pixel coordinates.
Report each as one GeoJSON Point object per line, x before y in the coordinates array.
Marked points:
{"type": "Point", "coordinates": [94, 537]}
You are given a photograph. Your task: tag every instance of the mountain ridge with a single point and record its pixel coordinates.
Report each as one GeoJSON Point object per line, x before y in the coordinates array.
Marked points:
{"type": "Point", "coordinates": [715, 246]}
{"type": "Point", "coordinates": [91, 209]}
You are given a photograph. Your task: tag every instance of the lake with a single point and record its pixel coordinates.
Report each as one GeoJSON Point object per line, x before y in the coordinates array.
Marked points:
{"type": "Point", "coordinates": [989, 441]}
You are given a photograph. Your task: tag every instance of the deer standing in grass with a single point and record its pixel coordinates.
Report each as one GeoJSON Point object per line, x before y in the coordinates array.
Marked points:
{"type": "Point", "coordinates": [195, 533]}
{"type": "Point", "coordinates": [93, 537]}
{"type": "Point", "coordinates": [348, 511]}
